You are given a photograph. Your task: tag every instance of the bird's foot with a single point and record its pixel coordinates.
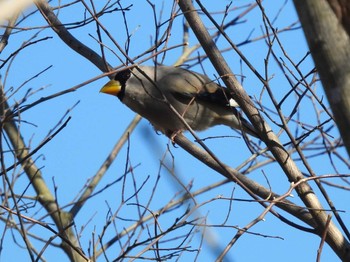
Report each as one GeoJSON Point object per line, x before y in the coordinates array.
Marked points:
{"type": "Point", "coordinates": [172, 135]}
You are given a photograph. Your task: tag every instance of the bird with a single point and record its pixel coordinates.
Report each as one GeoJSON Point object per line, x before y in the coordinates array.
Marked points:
{"type": "Point", "coordinates": [154, 91]}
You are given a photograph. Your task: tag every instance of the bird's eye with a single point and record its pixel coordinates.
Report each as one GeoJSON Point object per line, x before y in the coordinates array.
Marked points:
{"type": "Point", "coordinates": [123, 76]}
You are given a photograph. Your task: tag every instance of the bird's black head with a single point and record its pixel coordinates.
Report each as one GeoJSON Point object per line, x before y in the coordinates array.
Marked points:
{"type": "Point", "coordinates": [117, 85]}
{"type": "Point", "coordinates": [122, 77]}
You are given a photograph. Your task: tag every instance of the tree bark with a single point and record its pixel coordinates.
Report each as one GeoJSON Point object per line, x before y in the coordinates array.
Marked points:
{"type": "Point", "coordinates": [325, 28]}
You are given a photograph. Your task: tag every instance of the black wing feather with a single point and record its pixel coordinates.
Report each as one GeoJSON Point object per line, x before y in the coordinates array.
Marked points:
{"type": "Point", "coordinates": [221, 96]}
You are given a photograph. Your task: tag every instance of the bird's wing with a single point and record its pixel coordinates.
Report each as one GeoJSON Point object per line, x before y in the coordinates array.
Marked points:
{"type": "Point", "coordinates": [186, 87]}
{"type": "Point", "coordinates": [219, 96]}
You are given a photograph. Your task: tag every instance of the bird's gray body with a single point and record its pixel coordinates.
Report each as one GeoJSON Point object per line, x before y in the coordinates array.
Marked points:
{"type": "Point", "coordinates": [201, 102]}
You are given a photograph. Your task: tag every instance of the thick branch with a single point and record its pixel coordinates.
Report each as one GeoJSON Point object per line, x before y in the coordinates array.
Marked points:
{"type": "Point", "coordinates": [69, 39]}
{"type": "Point", "coordinates": [47, 200]}
{"type": "Point", "coordinates": [330, 48]}
{"type": "Point", "coordinates": [235, 176]}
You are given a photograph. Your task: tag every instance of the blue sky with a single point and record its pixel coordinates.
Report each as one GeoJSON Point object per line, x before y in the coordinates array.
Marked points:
{"type": "Point", "coordinates": [98, 120]}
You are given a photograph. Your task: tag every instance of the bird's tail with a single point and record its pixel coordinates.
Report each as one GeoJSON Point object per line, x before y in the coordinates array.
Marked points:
{"type": "Point", "coordinates": [235, 121]}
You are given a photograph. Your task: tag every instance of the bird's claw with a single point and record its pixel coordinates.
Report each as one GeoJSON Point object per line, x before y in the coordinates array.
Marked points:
{"type": "Point", "coordinates": [172, 135]}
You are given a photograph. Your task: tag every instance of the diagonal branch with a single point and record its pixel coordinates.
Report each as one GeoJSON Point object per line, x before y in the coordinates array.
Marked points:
{"type": "Point", "coordinates": [69, 39]}
{"type": "Point", "coordinates": [47, 200]}
{"type": "Point", "coordinates": [104, 167]}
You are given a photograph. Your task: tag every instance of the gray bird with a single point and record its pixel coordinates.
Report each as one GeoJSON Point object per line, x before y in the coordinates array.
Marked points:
{"type": "Point", "coordinates": [200, 101]}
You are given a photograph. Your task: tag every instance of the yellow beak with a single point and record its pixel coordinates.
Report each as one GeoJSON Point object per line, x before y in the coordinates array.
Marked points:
{"type": "Point", "coordinates": [113, 87]}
